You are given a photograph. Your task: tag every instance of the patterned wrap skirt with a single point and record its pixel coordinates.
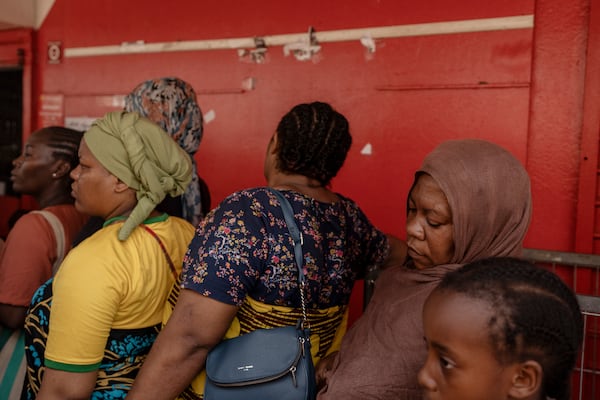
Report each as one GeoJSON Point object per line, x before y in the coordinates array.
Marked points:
{"type": "Point", "coordinates": [327, 328]}
{"type": "Point", "coordinates": [125, 351]}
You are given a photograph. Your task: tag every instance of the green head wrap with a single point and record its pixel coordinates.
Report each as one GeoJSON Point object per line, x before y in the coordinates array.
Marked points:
{"type": "Point", "coordinates": [143, 156]}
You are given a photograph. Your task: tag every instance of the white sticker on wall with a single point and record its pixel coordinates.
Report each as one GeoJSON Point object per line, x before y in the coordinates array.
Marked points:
{"type": "Point", "coordinates": [367, 150]}
{"type": "Point", "coordinates": [209, 116]}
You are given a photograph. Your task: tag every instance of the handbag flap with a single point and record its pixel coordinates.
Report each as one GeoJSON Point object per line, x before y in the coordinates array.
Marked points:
{"type": "Point", "coordinates": [260, 355]}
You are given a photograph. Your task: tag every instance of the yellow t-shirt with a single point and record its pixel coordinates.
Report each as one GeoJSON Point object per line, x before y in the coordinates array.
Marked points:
{"type": "Point", "coordinates": [106, 284]}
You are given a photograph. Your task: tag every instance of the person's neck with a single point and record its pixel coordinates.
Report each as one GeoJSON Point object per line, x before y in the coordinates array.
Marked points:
{"type": "Point", "coordinates": [304, 185]}
{"type": "Point", "coordinates": [54, 199]}
{"type": "Point", "coordinates": [295, 182]}
{"type": "Point", "coordinates": [121, 208]}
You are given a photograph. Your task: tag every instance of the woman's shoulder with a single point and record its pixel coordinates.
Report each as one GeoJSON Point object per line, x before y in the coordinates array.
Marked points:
{"type": "Point", "coordinates": [67, 213]}
{"type": "Point", "coordinates": [244, 199]}
{"type": "Point", "coordinates": [179, 222]}
{"type": "Point", "coordinates": [247, 193]}
{"type": "Point", "coordinates": [104, 238]}
{"type": "Point", "coordinates": [176, 227]}
{"type": "Point", "coordinates": [258, 199]}
{"type": "Point", "coordinates": [348, 207]}
{"type": "Point", "coordinates": [29, 226]}
{"type": "Point", "coordinates": [347, 202]}
{"type": "Point", "coordinates": [32, 220]}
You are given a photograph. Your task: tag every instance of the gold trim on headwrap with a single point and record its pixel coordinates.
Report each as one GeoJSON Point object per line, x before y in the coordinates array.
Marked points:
{"type": "Point", "coordinates": [144, 157]}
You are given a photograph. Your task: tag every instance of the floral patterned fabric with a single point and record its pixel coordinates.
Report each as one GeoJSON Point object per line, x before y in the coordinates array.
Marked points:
{"type": "Point", "coordinates": [243, 247]}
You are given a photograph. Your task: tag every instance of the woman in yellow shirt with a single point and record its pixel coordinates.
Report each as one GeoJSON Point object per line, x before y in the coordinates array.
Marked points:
{"type": "Point", "coordinates": [89, 330]}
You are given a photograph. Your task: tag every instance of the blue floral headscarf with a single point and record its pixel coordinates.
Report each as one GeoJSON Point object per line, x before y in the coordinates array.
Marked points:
{"type": "Point", "coordinates": [171, 103]}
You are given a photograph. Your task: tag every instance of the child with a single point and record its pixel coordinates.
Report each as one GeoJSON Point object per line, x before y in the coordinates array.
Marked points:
{"type": "Point", "coordinates": [500, 328]}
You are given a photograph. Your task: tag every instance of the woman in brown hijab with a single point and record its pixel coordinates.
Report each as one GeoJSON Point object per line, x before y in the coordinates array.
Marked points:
{"type": "Point", "coordinates": [471, 199]}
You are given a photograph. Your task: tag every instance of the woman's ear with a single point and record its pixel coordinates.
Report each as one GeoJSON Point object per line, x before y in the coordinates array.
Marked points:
{"type": "Point", "coordinates": [120, 186]}
{"type": "Point", "coordinates": [61, 168]}
{"type": "Point", "coordinates": [526, 381]}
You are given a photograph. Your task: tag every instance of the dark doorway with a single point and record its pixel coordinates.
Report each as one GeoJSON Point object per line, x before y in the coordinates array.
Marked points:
{"type": "Point", "coordinates": [11, 122]}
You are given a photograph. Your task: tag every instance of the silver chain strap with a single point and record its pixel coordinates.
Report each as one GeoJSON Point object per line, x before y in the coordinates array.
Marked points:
{"type": "Point", "coordinates": [296, 234]}
{"type": "Point", "coordinates": [305, 321]}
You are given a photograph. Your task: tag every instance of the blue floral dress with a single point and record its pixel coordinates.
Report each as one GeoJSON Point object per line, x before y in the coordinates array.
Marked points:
{"type": "Point", "coordinates": [242, 254]}
{"type": "Point", "coordinates": [243, 248]}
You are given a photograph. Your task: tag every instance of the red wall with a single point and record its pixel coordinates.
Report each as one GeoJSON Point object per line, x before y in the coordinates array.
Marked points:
{"type": "Point", "coordinates": [402, 101]}
{"type": "Point", "coordinates": [523, 89]}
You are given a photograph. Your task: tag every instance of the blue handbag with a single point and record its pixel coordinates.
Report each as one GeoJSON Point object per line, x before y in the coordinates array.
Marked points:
{"type": "Point", "coordinates": [266, 364]}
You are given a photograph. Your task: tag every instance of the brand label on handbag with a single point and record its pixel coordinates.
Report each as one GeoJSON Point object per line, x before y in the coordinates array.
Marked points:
{"type": "Point", "coordinates": [245, 367]}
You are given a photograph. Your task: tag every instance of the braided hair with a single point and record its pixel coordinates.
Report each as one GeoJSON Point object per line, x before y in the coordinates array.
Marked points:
{"type": "Point", "coordinates": [64, 143]}
{"type": "Point", "coordinates": [313, 140]}
{"type": "Point", "coordinates": [536, 316]}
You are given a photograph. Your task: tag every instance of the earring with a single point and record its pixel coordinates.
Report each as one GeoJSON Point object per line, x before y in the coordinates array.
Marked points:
{"type": "Point", "coordinates": [54, 174]}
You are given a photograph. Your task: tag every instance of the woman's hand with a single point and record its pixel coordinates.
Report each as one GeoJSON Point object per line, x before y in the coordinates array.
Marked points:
{"type": "Point", "coordinates": [398, 252]}
{"type": "Point", "coordinates": [323, 369]}
{"type": "Point", "coordinates": [197, 324]}
{"type": "Point", "coordinates": [12, 317]}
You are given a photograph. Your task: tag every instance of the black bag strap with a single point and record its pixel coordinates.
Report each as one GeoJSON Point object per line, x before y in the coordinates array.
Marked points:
{"type": "Point", "coordinates": [288, 215]}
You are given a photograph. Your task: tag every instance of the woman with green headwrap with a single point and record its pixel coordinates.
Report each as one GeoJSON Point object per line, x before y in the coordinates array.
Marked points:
{"type": "Point", "coordinates": [90, 329]}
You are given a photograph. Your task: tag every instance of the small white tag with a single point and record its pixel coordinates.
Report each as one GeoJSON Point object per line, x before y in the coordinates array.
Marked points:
{"type": "Point", "coordinates": [367, 150]}
{"type": "Point", "coordinates": [209, 116]}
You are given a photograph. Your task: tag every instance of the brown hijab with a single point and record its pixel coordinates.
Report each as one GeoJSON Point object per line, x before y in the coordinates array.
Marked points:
{"type": "Point", "coordinates": [489, 194]}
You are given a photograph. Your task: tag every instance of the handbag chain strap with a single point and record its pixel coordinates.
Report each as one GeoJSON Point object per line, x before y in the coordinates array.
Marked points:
{"type": "Point", "coordinates": [288, 214]}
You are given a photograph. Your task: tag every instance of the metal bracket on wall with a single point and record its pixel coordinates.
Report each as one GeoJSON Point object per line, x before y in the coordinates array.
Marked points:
{"type": "Point", "coordinates": [258, 55]}
{"type": "Point", "coordinates": [303, 49]}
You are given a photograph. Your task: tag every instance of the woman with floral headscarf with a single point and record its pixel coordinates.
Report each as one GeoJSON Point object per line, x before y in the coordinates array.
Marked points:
{"type": "Point", "coordinates": [171, 104]}
{"type": "Point", "coordinates": [89, 330]}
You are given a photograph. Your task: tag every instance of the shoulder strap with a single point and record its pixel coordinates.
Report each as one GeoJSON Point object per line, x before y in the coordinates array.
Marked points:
{"type": "Point", "coordinates": [288, 214]}
{"type": "Point", "coordinates": [59, 234]}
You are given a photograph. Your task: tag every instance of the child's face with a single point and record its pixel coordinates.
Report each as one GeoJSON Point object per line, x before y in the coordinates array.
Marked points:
{"type": "Point", "coordinates": [460, 359]}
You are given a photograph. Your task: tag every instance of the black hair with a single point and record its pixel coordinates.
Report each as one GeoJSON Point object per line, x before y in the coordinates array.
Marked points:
{"type": "Point", "coordinates": [313, 140]}
{"type": "Point", "coordinates": [536, 316]}
{"type": "Point", "coordinates": [64, 143]}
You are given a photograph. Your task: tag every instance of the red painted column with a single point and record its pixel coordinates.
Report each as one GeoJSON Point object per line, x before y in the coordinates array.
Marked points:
{"type": "Point", "coordinates": [586, 234]}
{"type": "Point", "coordinates": [556, 112]}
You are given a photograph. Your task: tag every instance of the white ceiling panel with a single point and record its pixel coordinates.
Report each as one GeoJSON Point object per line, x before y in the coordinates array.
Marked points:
{"type": "Point", "coordinates": [23, 13]}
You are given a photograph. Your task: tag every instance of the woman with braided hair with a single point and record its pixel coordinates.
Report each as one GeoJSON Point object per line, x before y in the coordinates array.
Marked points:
{"type": "Point", "coordinates": [240, 272]}
{"type": "Point", "coordinates": [171, 103]}
{"type": "Point", "coordinates": [42, 171]}
{"type": "Point", "coordinates": [38, 240]}
{"type": "Point", "coordinates": [500, 329]}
